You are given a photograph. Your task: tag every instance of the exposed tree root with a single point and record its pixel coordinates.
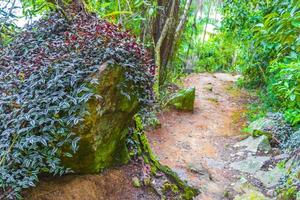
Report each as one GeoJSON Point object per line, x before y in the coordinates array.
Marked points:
{"type": "Point", "coordinates": [173, 185]}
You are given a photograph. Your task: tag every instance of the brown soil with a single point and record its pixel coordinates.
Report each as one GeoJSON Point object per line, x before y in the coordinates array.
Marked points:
{"type": "Point", "coordinates": [115, 184]}
{"type": "Point", "coordinates": [196, 145]}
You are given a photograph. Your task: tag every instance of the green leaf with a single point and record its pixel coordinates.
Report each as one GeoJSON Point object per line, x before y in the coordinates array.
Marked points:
{"type": "Point", "coordinates": [117, 13]}
{"type": "Point", "coordinates": [296, 23]}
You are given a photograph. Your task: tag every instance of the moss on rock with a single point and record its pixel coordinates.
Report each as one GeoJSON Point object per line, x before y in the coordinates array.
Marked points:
{"type": "Point", "coordinates": [144, 150]}
{"type": "Point", "coordinates": [184, 99]}
{"type": "Point", "coordinates": [103, 132]}
{"type": "Point", "coordinates": [262, 126]}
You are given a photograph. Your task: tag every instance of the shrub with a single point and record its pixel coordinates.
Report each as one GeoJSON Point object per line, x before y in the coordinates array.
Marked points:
{"type": "Point", "coordinates": [217, 54]}
{"type": "Point", "coordinates": [284, 89]}
{"type": "Point", "coordinates": [45, 79]}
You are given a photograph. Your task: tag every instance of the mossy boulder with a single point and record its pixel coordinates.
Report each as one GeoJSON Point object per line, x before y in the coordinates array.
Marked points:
{"type": "Point", "coordinates": [262, 126]}
{"type": "Point", "coordinates": [103, 132]}
{"type": "Point", "coordinates": [183, 100]}
{"type": "Point", "coordinates": [255, 145]}
{"type": "Point", "coordinates": [273, 126]}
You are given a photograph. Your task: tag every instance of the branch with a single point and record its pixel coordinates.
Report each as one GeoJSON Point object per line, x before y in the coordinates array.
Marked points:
{"type": "Point", "coordinates": [183, 19]}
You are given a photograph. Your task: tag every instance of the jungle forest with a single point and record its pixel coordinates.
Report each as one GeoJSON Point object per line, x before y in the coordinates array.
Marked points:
{"type": "Point", "coordinates": [150, 99]}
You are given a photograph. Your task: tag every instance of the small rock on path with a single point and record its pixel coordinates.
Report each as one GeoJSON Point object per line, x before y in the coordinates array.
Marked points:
{"type": "Point", "coordinates": [199, 144]}
{"type": "Point", "coordinates": [205, 147]}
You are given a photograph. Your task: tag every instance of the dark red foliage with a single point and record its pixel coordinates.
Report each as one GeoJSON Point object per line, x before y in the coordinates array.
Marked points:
{"type": "Point", "coordinates": [78, 35]}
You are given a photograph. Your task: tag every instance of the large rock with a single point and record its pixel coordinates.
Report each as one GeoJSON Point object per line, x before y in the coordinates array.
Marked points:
{"type": "Point", "coordinates": [273, 126]}
{"type": "Point", "coordinates": [184, 99]}
{"type": "Point", "coordinates": [247, 191]}
{"type": "Point", "coordinates": [254, 145]}
{"type": "Point", "coordinates": [250, 165]}
{"type": "Point", "coordinates": [104, 131]}
{"type": "Point", "coordinates": [262, 126]}
{"type": "Point", "coordinates": [270, 178]}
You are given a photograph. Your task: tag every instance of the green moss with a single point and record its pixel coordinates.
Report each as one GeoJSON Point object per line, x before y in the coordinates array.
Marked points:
{"type": "Point", "coordinates": [104, 131]}
{"type": "Point", "coordinates": [233, 91]}
{"type": "Point", "coordinates": [136, 182]}
{"type": "Point", "coordinates": [213, 100]}
{"type": "Point", "coordinates": [258, 127]}
{"type": "Point", "coordinates": [169, 187]}
{"type": "Point", "coordinates": [184, 99]}
{"type": "Point", "coordinates": [187, 192]}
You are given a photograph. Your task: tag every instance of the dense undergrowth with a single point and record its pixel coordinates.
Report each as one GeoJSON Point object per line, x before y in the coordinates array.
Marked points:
{"type": "Point", "coordinates": [261, 41]}
{"type": "Point", "coordinates": [46, 76]}
{"type": "Point", "coordinates": [264, 42]}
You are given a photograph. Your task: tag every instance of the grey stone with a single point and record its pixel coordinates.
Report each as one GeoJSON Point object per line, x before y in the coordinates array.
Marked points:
{"type": "Point", "coordinates": [271, 193]}
{"type": "Point", "coordinates": [181, 173]}
{"type": "Point", "coordinates": [247, 191]}
{"type": "Point", "coordinates": [273, 126]}
{"type": "Point", "coordinates": [197, 167]}
{"type": "Point", "coordinates": [250, 165]}
{"type": "Point", "coordinates": [281, 157]}
{"type": "Point", "coordinates": [253, 195]}
{"type": "Point", "coordinates": [240, 153]}
{"type": "Point", "coordinates": [270, 178]}
{"type": "Point", "coordinates": [262, 126]}
{"type": "Point", "coordinates": [214, 163]}
{"type": "Point", "coordinates": [252, 144]}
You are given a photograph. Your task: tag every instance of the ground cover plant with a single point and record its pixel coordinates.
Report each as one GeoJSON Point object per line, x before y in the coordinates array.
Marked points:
{"type": "Point", "coordinates": [45, 79]}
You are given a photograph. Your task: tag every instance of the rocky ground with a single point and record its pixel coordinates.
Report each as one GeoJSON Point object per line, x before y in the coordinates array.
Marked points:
{"type": "Point", "coordinates": [207, 148]}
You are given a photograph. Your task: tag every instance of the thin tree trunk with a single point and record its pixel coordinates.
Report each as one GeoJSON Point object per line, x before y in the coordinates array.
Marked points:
{"type": "Point", "coordinates": [180, 27]}
{"type": "Point", "coordinates": [164, 27]}
{"type": "Point", "coordinates": [183, 20]}
{"type": "Point", "coordinates": [201, 7]}
{"type": "Point", "coordinates": [120, 16]}
{"type": "Point", "coordinates": [207, 20]}
{"type": "Point", "coordinates": [159, 43]}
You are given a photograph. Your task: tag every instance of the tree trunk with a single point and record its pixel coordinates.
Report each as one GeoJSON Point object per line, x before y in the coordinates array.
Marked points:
{"type": "Point", "coordinates": [207, 20]}
{"type": "Point", "coordinates": [183, 19]}
{"type": "Point", "coordinates": [164, 27]}
{"type": "Point", "coordinates": [180, 27]}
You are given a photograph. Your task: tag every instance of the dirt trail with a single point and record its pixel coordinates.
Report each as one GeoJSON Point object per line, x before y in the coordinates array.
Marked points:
{"type": "Point", "coordinates": [197, 145]}
{"type": "Point", "coordinates": [113, 184]}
